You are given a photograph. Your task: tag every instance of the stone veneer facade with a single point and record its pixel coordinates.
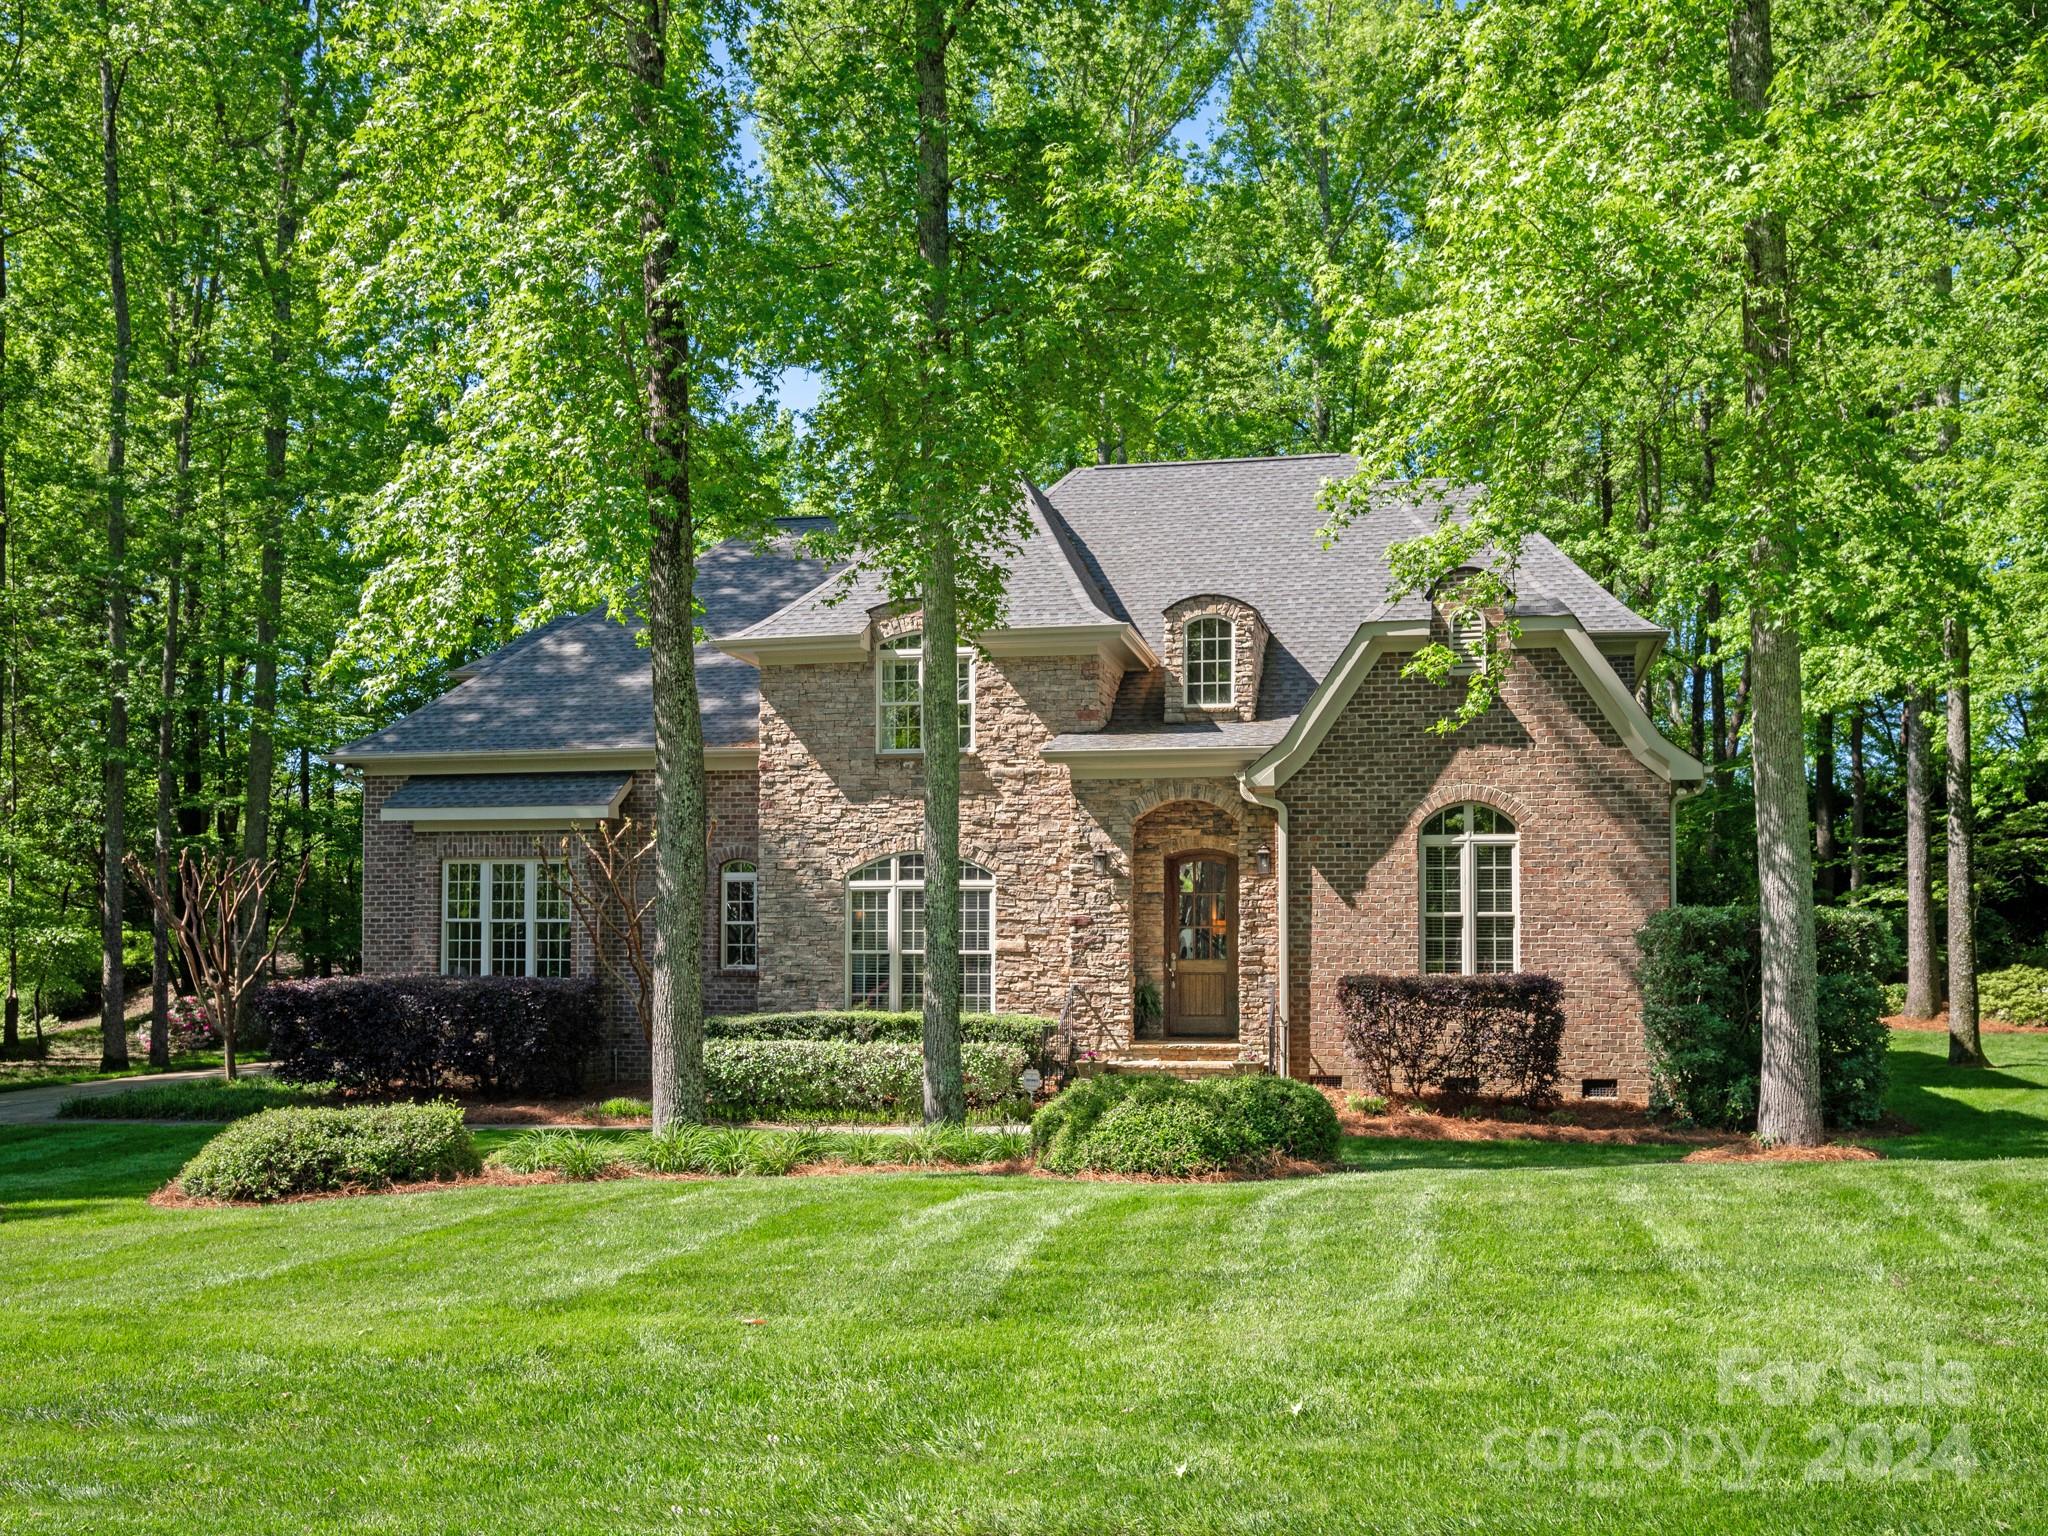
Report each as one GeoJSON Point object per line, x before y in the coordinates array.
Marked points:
{"type": "Point", "coordinates": [1079, 864]}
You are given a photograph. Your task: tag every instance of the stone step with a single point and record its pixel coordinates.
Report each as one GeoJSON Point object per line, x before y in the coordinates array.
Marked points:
{"type": "Point", "coordinates": [1176, 1066]}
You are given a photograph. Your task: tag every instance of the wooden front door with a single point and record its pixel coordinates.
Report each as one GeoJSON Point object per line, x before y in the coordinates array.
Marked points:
{"type": "Point", "coordinates": [1201, 945]}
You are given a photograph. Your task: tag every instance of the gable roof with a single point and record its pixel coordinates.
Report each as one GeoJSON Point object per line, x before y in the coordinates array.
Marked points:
{"type": "Point", "coordinates": [582, 683]}
{"type": "Point", "coordinates": [1047, 587]}
{"type": "Point", "coordinates": [1105, 552]}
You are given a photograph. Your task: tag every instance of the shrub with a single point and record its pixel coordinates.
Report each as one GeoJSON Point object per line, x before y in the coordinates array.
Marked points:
{"type": "Point", "coordinates": [1025, 1031]}
{"type": "Point", "coordinates": [1497, 1032]}
{"type": "Point", "coordinates": [307, 1151]}
{"type": "Point", "coordinates": [1701, 977]}
{"type": "Point", "coordinates": [1125, 1123]}
{"type": "Point", "coordinates": [207, 1099]}
{"type": "Point", "coordinates": [190, 1027]}
{"type": "Point", "coordinates": [1895, 997]}
{"type": "Point", "coordinates": [1366, 1103]}
{"type": "Point", "coordinates": [496, 1033]}
{"type": "Point", "coordinates": [2017, 995]}
{"type": "Point", "coordinates": [563, 1152]}
{"type": "Point", "coordinates": [769, 1079]}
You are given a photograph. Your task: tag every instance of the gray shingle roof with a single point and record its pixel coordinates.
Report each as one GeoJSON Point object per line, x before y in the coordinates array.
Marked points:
{"type": "Point", "coordinates": [1048, 587]}
{"type": "Point", "coordinates": [497, 791]}
{"type": "Point", "coordinates": [582, 683]}
{"type": "Point", "coordinates": [1252, 529]}
{"type": "Point", "coordinates": [1108, 544]}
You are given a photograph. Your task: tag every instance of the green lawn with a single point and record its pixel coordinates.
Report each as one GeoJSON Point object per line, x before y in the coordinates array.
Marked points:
{"type": "Point", "coordinates": [1409, 1347]}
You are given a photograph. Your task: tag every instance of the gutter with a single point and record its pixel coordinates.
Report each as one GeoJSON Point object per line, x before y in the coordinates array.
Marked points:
{"type": "Point", "coordinates": [1282, 1029]}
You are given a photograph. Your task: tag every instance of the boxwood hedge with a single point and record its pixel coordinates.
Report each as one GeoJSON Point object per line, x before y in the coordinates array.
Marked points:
{"type": "Point", "coordinates": [285, 1152]}
{"type": "Point", "coordinates": [1134, 1123]}
{"type": "Point", "coordinates": [775, 1079]}
{"type": "Point", "coordinates": [1025, 1031]}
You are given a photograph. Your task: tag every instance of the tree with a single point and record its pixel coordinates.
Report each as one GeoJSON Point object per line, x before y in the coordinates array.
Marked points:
{"type": "Point", "coordinates": [913, 161]}
{"type": "Point", "coordinates": [562, 300]}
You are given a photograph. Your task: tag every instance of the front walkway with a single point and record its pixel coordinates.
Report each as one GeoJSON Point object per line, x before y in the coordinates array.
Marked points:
{"type": "Point", "coordinates": [38, 1106]}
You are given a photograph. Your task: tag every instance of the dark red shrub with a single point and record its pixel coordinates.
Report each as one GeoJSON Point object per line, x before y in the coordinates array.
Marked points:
{"type": "Point", "coordinates": [1498, 1034]}
{"type": "Point", "coordinates": [497, 1034]}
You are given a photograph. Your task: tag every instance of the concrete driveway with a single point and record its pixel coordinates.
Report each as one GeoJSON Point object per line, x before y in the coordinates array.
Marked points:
{"type": "Point", "coordinates": [38, 1106]}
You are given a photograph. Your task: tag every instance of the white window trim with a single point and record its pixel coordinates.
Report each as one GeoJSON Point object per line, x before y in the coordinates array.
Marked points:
{"type": "Point", "coordinates": [1468, 886]}
{"type": "Point", "coordinates": [732, 873]}
{"type": "Point", "coordinates": [897, 650]}
{"type": "Point", "coordinates": [895, 885]}
{"type": "Point", "coordinates": [1187, 691]}
{"type": "Point", "coordinates": [484, 873]}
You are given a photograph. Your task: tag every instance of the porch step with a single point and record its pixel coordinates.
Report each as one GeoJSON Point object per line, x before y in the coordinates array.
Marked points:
{"type": "Point", "coordinates": [1181, 1058]}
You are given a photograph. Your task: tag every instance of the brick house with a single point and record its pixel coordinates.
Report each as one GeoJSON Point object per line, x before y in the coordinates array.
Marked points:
{"type": "Point", "coordinates": [1192, 708]}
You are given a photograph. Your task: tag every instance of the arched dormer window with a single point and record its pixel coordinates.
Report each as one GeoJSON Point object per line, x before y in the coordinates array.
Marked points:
{"type": "Point", "coordinates": [1209, 667]}
{"type": "Point", "coordinates": [1471, 891]}
{"type": "Point", "coordinates": [885, 935]}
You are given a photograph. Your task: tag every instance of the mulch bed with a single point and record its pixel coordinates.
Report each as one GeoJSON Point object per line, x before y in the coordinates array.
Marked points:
{"type": "Point", "coordinates": [1939, 1025]}
{"type": "Point", "coordinates": [1594, 1123]}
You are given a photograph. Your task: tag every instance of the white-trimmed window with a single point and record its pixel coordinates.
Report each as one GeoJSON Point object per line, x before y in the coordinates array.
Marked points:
{"type": "Point", "coordinates": [738, 928]}
{"type": "Point", "coordinates": [885, 935]}
{"type": "Point", "coordinates": [899, 695]}
{"type": "Point", "coordinates": [1471, 891]}
{"type": "Point", "coordinates": [1209, 662]}
{"type": "Point", "coordinates": [504, 917]}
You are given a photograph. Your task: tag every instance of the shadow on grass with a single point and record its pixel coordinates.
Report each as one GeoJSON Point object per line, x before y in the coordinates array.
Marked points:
{"type": "Point", "coordinates": [1386, 1154]}
{"type": "Point", "coordinates": [61, 1170]}
{"type": "Point", "coordinates": [1968, 1114]}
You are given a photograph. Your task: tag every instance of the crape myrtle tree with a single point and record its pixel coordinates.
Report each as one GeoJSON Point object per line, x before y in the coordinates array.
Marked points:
{"type": "Point", "coordinates": [547, 244]}
{"type": "Point", "coordinates": [916, 159]}
{"type": "Point", "coordinates": [1646, 234]}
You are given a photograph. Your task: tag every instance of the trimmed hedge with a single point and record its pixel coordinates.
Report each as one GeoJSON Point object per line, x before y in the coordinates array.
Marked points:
{"type": "Point", "coordinates": [285, 1152]}
{"type": "Point", "coordinates": [2016, 995]}
{"type": "Point", "coordinates": [1500, 1033]}
{"type": "Point", "coordinates": [1025, 1031]}
{"type": "Point", "coordinates": [1702, 981]}
{"type": "Point", "coordinates": [496, 1033]}
{"type": "Point", "coordinates": [769, 1079]}
{"type": "Point", "coordinates": [1135, 1123]}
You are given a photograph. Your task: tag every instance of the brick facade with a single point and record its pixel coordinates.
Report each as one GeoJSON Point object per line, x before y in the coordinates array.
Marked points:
{"type": "Point", "coordinates": [1079, 864]}
{"type": "Point", "coordinates": [1594, 854]}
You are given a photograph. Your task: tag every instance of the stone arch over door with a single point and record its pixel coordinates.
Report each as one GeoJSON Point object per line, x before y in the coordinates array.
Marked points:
{"type": "Point", "coordinates": [1169, 831]}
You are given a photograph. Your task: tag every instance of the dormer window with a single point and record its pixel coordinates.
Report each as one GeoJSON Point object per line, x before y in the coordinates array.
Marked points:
{"type": "Point", "coordinates": [1210, 663]}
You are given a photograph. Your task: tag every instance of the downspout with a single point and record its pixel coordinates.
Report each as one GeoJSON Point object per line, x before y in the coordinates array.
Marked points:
{"type": "Point", "coordinates": [1277, 1044]}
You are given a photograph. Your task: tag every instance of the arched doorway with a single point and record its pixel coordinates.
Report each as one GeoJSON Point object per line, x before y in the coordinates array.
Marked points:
{"type": "Point", "coordinates": [1201, 942]}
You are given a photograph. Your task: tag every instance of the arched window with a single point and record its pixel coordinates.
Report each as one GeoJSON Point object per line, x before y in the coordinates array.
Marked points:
{"type": "Point", "coordinates": [1209, 662]}
{"type": "Point", "coordinates": [739, 947]}
{"type": "Point", "coordinates": [1471, 891]}
{"type": "Point", "coordinates": [885, 935]}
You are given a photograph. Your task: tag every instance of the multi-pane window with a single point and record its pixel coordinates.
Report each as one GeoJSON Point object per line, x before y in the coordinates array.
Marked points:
{"type": "Point", "coordinates": [1469, 904]}
{"type": "Point", "coordinates": [1209, 662]}
{"type": "Point", "coordinates": [504, 917]}
{"type": "Point", "coordinates": [739, 934]}
{"type": "Point", "coordinates": [885, 935]}
{"type": "Point", "coordinates": [899, 685]}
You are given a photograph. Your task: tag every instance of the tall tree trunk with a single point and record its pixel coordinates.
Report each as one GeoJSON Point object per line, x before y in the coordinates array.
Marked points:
{"type": "Point", "coordinates": [680, 827]}
{"type": "Point", "coordinates": [1858, 803]}
{"type": "Point", "coordinates": [1965, 1049]}
{"type": "Point", "coordinates": [945, 1094]}
{"type": "Point", "coordinates": [113, 775]}
{"type": "Point", "coordinates": [1717, 683]}
{"type": "Point", "coordinates": [1826, 854]}
{"type": "Point", "coordinates": [10, 1010]}
{"type": "Point", "coordinates": [1788, 1098]}
{"type": "Point", "coordinates": [262, 759]}
{"type": "Point", "coordinates": [1921, 997]}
